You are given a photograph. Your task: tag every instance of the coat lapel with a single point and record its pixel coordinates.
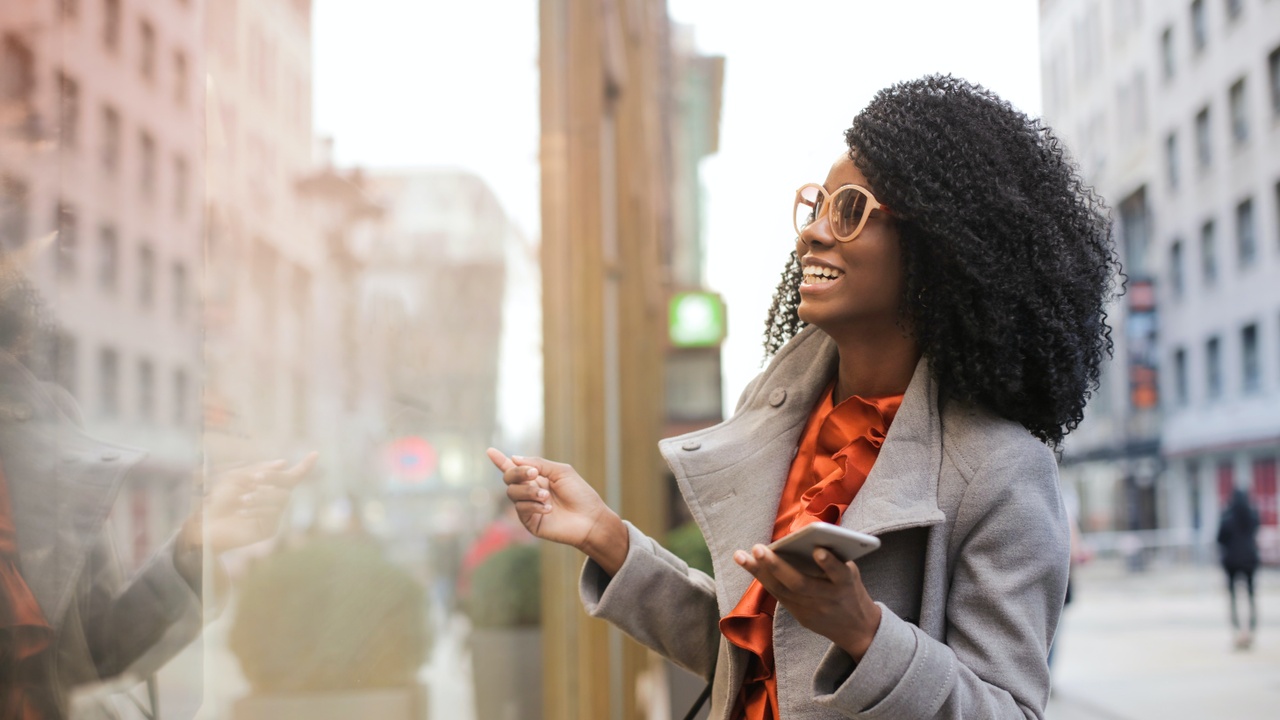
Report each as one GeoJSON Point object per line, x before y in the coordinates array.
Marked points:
{"type": "Point", "coordinates": [62, 484]}
{"type": "Point", "coordinates": [732, 475]}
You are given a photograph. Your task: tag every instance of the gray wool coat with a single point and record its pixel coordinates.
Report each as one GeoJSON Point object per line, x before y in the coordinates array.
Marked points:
{"type": "Point", "coordinates": [970, 576]}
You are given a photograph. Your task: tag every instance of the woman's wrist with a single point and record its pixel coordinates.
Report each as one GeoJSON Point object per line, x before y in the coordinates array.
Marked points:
{"type": "Point", "coordinates": [858, 641]}
{"type": "Point", "coordinates": [607, 543]}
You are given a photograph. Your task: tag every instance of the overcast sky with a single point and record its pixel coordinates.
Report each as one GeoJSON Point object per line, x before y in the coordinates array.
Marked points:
{"type": "Point", "coordinates": [429, 83]}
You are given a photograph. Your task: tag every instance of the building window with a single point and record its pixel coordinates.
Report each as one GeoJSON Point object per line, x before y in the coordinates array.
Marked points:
{"type": "Point", "coordinates": [1180, 377]}
{"type": "Point", "coordinates": [1204, 139]}
{"type": "Point", "coordinates": [64, 362]}
{"type": "Point", "coordinates": [110, 139]}
{"type": "Point", "coordinates": [111, 24]}
{"type": "Point", "coordinates": [146, 390]}
{"type": "Point", "coordinates": [147, 158]}
{"type": "Point", "coordinates": [147, 51]}
{"type": "Point", "coordinates": [179, 275]}
{"type": "Point", "coordinates": [1213, 368]}
{"type": "Point", "coordinates": [1176, 281]}
{"type": "Point", "coordinates": [13, 213]}
{"type": "Point", "coordinates": [1246, 243]}
{"type": "Point", "coordinates": [1239, 112]}
{"type": "Point", "coordinates": [180, 398]}
{"type": "Point", "coordinates": [180, 183]}
{"type": "Point", "coordinates": [1167, 58]}
{"type": "Point", "coordinates": [108, 383]}
{"type": "Point", "coordinates": [64, 220]}
{"type": "Point", "coordinates": [1233, 8]}
{"type": "Point", "coordinates": [146, 276]}
{"type": "Point", "coordinates": [180, 77]}
{"type": "Point", "coordinates": [1251, 365]}
{"type": "Point", "coordinates": [1199, 25]}
{"type": "Point", "coordinates": [69, 9]}
{"type": "Point", "coordinates": [1208, 254]}
{"type": "Point", "coordinates": [108, 259]}
{"type": "Point", "coordinates": [68, 109]}
{"type": "Point", "coordinates": [1171, 159]}
{"type": "Point", "coordinates": [18, 85]}
{"type": "Point", "coordinates": [1273, 72]}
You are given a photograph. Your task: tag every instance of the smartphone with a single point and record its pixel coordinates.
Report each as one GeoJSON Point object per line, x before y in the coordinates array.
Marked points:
{"type": "Point", "coordinates": [797, 548]}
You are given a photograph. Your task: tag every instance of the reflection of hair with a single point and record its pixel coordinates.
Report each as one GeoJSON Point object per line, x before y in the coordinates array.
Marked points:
{"type": "Point", "coordinates": [1007, 255]}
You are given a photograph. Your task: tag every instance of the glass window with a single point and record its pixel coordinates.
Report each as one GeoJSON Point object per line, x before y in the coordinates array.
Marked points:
{"type": "Point", "coordinates": [180, 184]}
{"type": "Point", "coordinates": [1171, 159]}
{"type": "Point", "coordinates": [65, 361]}
{"type": "Point", "coordinates": [1213, 368]}
{"type": "Point", "coordinates": [1251, 367]}
{"type": "Point", "coordinates": [69, 9]}
{"type": "Point", "coordinates": [1246, 244]}
{"type": "Point", "coordinates": [68, 109]}
{"type": "Point", "coordinates": [146, 276]}
{"type": "Point", "coordinates": [146, 390]}
{"type": "Point", "coordinates": [1204, 138]}
{"type": "Point", "coordinates": [1208, 254]}
{"type": "Point", "coordinates": [147, 50]}
{"type": "Point", "coordinates": [1199, 25]}
{"type": "Point", "coordinates": [1273, 72]}
{"type": "Point", "coordinates": [180, 397]}
{"type": "Point", "coordinates": [1239, 112]}
{"type": "Point", "coordinates": [1167, 56]}
{"type": "Point", "coordinates": [179, 273]}
{"type": "Point", "coordinates": [1234, 7]}
{"type": "Point", "coordinates": [64, 220]}
{"type": "Point", "coordinates": [110, 139]}
{"type": "Point", "coordinates": [1180, 376]}
{"type": "Point", "coordinates": [108, 383]}
{"type": "Point", "coordinates": [13, 212]}
{"type": "Point", "coordinates": [147, 159]}
{"type": "Point", "coordinates": [108, 259]}
{"type": "Point", "coordinates": [180, 77]}
{"type": "Point", "coordinates": [1175, 268]}
{"type": "Point", "coordinates": [111, 24]}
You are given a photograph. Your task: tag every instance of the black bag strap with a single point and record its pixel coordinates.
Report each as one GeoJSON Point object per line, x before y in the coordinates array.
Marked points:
{"type": "Point", "coordinates": [697, 705]}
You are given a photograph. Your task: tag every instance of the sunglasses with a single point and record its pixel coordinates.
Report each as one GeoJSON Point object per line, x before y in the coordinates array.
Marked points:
{"type": "Point", "coordinates": [847, 209]}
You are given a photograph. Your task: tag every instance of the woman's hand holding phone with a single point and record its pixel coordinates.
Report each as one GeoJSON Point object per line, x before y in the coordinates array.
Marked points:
{"type": "Point", "coordinates": [836, 606]}
{"type": "Point", "coordinates": [555, 503]}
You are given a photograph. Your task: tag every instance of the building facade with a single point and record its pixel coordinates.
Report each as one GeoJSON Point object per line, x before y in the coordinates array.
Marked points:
{"type": "Point", "coordinates": [1173, 112]}
{"type": "Point", "coordinates": [101, 140]}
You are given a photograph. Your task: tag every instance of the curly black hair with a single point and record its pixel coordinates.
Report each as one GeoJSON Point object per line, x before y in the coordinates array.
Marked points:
{"type": "Point", "coordinates": [1007, 255]}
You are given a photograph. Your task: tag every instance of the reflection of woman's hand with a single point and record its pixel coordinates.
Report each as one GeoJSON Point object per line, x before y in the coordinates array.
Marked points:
{"type": "Point", "coordinates": [556, 504]}
{"type": "Point", "coordinates": [244, 505]}
{"type": "Point", "coordinates": [836, 606]}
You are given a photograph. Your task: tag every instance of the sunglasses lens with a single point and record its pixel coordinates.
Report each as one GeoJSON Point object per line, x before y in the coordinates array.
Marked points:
{"type": "Point", "coordinates": [808, 206]}
{"type": "Point", "coordinates": [847, 208]}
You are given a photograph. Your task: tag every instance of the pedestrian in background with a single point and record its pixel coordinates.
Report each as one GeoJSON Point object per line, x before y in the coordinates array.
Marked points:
{"type": "Point", "coordinates": [1238, 546]}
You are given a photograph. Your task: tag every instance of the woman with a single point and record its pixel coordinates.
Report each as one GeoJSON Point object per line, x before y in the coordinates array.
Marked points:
{"type": "Point", "coordinates": [934, 336]}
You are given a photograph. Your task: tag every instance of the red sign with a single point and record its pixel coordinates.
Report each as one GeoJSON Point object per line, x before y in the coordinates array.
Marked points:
{"type": "Point", "coordinates": [410, 460]}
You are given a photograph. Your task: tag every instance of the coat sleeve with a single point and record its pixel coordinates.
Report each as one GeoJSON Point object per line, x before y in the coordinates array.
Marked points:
{"type": "Point", "coordinates": [1010, 558]}
{"type": "Point", "coordinates": [660, 601]}
{"type": "Point", "coordinates": [138, 624]}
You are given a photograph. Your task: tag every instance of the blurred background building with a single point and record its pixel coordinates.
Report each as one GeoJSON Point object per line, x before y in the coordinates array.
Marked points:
{"type": "Point", "coordinates": [101, 140]}
{"type": "Point", "coordinates": [1173, 112]}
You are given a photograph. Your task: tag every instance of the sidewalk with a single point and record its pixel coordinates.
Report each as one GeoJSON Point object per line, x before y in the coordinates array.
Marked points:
{"type": "Point", "coordinates": [1157, 644]}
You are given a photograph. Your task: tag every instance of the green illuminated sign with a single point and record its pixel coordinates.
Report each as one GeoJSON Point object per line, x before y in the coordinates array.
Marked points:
{"type": "Point", "coordinates": [695, 319]}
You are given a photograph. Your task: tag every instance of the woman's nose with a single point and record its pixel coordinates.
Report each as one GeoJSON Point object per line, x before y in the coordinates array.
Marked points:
{"type": "Point", "coordinates": [818, 231]}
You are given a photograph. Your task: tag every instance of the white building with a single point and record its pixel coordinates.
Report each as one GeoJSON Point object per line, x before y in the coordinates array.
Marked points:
{"type": "Point", "coordinates": [1173, 111]}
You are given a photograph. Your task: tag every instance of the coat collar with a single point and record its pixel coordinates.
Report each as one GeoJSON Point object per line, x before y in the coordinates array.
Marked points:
{"type": "Point", "coordinates": [731, 475]}
{"type": "Point", "coordinates": [62, 483]}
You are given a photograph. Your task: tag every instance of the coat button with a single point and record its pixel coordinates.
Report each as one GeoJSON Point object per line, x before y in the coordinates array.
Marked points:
{"type": "Point", "coordinates": [777, 397]}
{"type": "Point", "coordinates": [691, 445]}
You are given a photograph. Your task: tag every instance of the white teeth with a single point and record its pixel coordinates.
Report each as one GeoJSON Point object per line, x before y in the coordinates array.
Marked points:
{"type": "Point", "coordinates": [817, 274]}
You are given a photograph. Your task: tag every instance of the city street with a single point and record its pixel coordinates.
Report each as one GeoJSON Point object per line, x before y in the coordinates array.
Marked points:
{"type": "Point", "coordinates": [1157, 644]}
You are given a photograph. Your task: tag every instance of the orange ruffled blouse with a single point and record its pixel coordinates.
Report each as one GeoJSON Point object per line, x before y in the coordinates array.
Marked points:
{"type": "Point", "coordinates": [24, 633]}
{"type": "Point", "coordinates": [837, 449]}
